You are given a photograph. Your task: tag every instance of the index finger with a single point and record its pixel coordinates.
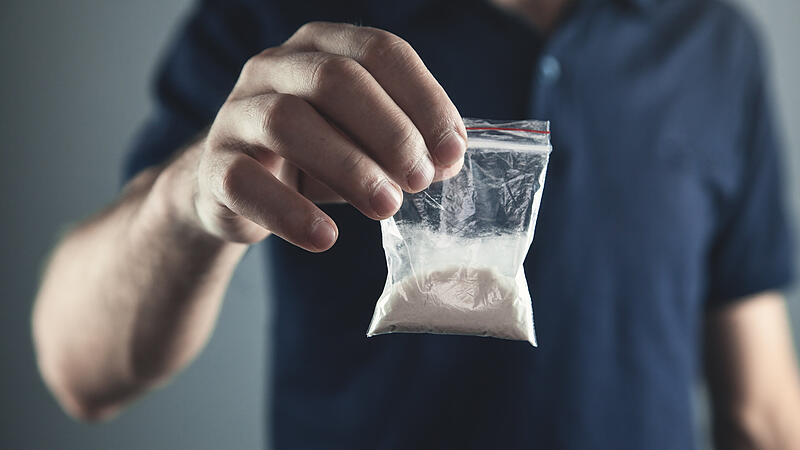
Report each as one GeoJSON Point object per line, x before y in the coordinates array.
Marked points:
{"type": "Point", "coordinates": [402, 74]}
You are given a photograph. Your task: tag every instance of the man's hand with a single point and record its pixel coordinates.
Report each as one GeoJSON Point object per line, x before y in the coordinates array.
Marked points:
{"type": "Point", "coordinates": [336, 112]}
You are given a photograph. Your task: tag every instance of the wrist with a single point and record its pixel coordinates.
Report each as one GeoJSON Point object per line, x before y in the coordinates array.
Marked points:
{"type": "Point", "coordinates": [174, 193]}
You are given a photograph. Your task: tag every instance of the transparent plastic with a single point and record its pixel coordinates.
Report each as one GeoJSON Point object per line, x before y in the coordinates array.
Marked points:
{"type": "Point", "coordinates": [455, 251]}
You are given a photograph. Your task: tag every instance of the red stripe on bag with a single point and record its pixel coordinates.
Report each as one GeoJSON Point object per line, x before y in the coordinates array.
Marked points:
{"type": "Point", "coordinates": [509, 129]}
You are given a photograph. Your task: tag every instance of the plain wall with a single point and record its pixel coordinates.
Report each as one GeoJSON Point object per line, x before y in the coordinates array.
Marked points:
{"type": "Point", "coordinates": [74, 79]}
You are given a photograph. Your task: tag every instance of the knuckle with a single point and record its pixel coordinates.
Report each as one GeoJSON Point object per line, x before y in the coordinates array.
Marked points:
{"type": "Point", "coordinates": [279, 113]}
{"type": "Point", "coordinates": [214, 145]}
{"type": "Point", "coordinates": [215, 137]}
{"type": "Point", "coordinates": [406, 140]}
{"type": "Point", "coordinates": [380, 47]}
{"type": "Point", "coordinates": [352, 161]}
{"type": "Point", "coordinates": [310, 28]}
{"type": "Point", "coordinates": [253, 107]}
{"type": "Point", "coordinates": [250, 68]}
{"type": "Point", "coordinates": [231, 181]}
{"type": "Point", "coordinates": [254, 66]}
{"type": "Point", "coordinates": [371, 183]}
{"type": "Point", "coordinates": [403, 137]}
{"type": "Point", "coordinates": [331, 72]}
{"type": "Point", "coordinates": [406, 144]}
{"type": "Point", "coordinates": [358, 178]}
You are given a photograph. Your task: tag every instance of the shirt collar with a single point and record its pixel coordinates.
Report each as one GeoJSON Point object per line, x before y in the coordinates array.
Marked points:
{"type": "Point", "coordinates": [402, 10]}
{"type": "Point", "coordinates": [635, 5]}
{"type": "Point", "coordinates": [640, 5]}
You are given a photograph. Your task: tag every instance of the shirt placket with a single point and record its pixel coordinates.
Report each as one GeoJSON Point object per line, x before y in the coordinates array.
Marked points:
{"type": "Point", "coordinates": [549, 68]}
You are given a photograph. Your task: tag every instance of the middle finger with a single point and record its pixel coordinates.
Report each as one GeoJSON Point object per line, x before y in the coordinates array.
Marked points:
{"type": "Point", "coordinates": [348, 96]}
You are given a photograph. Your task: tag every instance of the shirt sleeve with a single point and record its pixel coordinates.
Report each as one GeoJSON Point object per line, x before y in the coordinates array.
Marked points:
{"type": "Point", "coordinates": [752, 251]}
{"type": "Point", "coordinates": [195, 76]}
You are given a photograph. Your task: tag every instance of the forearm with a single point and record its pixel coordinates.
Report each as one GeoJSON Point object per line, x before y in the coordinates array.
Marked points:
{"type": "Point", "coordinates": [131, 296]}
{"type": "Point", "coordinates": [758, 427]}
{"type": "Point", "coordinates": [753, 375]}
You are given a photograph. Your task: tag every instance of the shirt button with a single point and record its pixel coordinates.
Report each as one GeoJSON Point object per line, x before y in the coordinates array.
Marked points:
{"type": "Point", "coordinates": [549, 68]}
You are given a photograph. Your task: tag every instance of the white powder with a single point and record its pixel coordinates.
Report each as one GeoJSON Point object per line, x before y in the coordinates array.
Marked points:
{"type": "Point", "coordinates": [457, 300]}
{"type": "Point", "coordinates": [455, 251]}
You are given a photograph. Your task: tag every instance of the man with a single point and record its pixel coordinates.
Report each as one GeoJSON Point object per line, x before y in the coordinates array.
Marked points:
{"type": "Point", "coordinates": [661, 227]}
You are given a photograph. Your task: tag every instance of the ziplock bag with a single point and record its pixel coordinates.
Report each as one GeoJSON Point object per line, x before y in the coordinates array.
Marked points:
{"type": "Point", "coordinates": [454, 251]}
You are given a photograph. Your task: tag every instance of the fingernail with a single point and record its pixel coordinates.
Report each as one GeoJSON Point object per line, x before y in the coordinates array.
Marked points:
{"type": "Point", "coordinates": [450, 149]}
{"type": "Point", "coordinates": [386, 199]}
{"type": "Point", "coordinates": [422, 175]}
{"type": "Point", "coordinates": [322, 234]}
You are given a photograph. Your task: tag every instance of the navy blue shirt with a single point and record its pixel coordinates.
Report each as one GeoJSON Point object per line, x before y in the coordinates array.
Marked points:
{"type": "Point", "coordinates": [662, 201]}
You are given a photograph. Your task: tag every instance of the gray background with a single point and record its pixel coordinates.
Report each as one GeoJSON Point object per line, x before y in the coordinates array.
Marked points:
{"type": "Point", "coordinates": [73, 89]}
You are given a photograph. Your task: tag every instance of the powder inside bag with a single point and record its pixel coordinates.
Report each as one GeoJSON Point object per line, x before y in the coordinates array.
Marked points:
{"type": "Point", "coordinates": [456, 300]}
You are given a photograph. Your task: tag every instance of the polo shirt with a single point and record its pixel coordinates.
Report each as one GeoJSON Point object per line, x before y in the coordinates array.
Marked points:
{"type": "Point", "coordinates": [662, 202]}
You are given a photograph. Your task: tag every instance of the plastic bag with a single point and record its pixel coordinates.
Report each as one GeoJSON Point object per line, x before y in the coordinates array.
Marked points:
{"type": "Point", "coordinates": [455, 250]}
